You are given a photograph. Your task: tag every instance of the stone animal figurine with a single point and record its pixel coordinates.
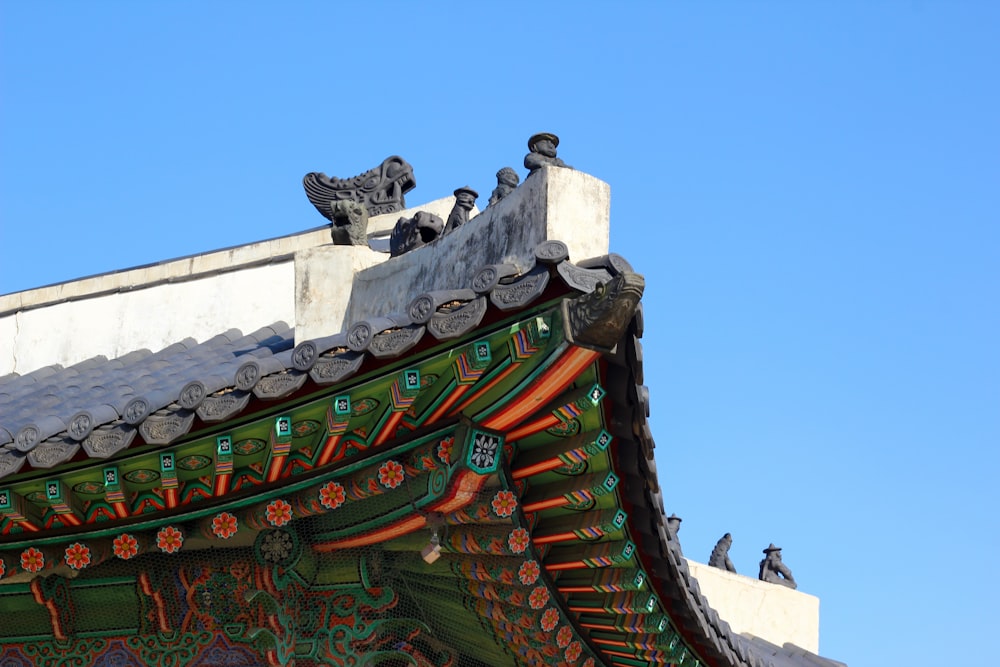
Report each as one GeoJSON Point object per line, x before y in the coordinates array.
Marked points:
{"type": "Point", "coordinates": [349, 224]}
{"type": "Point", "coordinates": [720, 554]}
{"type": "Point", "coordinates": [411, 233]}
{"type": "Point", "coordinates": [507, 180]}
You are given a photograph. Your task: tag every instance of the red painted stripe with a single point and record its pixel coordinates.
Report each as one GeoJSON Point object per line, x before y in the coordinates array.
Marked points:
{"type": "Point", "coordinates": [221, 484]}
{"type": "Point", "coordinates": [545, 387]}
{"type": "Point", "coordinates": [574, 565]}
{"type": "Point", "coordinates": [545, 504]}
{"type": "Point", "coordinates": [389, 429]}
{"type": "Point", "coordinates": [69, 519]}
{"type": "Point", "coordinates": [328, 449]}
{"type": "Point", "coordinates": [549, 539]}
{"type": "Point", "coordinates": [485, 388]}
{"type": "Point", "coordinates": [538, 468]}
{"type": "Point", "coordinates": [548, 421]}
{"type": "Point", "coordinates": [274, 470]}
{"type": "Point", "coordinates": [453, 397]}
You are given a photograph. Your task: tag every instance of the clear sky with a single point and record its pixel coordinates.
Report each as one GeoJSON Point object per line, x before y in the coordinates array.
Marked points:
{"type": "Point", "coordinates": [811, 190]}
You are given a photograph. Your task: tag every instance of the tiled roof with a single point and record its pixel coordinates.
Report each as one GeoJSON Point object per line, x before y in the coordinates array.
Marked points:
{"type": "Point", "coordinates": [102, 406]}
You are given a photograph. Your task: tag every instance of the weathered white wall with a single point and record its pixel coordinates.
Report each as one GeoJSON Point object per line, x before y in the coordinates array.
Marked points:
{"type": "Point", "coordinates": [772, 612]}
{"type": "Point", "coordinates": [245, 287]}
{"type": "Point", "coordinates": [152, 318]}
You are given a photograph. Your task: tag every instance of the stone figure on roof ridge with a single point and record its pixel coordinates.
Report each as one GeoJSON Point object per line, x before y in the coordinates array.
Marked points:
{"type": "Point", "coordinates": [773, 570]}
{"type": "Point", "coordinates": [542, 147]}
{"type": "Point", "coordinates": [507, 181]}
{"type": "Point", "coordinates": [720, 554]}
{"type": "Point", "coordinates": [349, 222]}
{"type": "Point", "coordinates": [380, 189]}
{"type": "Point", "coordinates": [465, 201]}
{"type": "Point", "coordinates": [412, 233]}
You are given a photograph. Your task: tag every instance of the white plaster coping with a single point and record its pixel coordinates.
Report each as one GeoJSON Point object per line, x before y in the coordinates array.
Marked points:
{"type": "Point", "coordinates": [114, 324]}
{"type": "Point", "coordinates": [174, 270]}
{"type": "Point", "coordinates": [772, 612]}
{"type": "Point", "coordinates": [552, 204]}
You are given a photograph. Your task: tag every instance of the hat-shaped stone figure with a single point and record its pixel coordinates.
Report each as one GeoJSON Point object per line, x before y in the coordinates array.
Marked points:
{"type": "Point", "coordinates": [465, 201]}
{"type": "Point", "coordinates": [773, 571]}
{"type": "Point", "coordinates": [543, 152]}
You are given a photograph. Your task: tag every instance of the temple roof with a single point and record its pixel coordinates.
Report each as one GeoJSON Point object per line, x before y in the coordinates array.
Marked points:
{"type": "Point", "coordinates": [482, 452]}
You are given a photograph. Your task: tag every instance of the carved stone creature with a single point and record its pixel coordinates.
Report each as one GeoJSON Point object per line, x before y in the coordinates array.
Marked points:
{"type": "Point", "coordinates": [674, 524]}
{"type": "Point", "coordinates": [410, 233]}
{"type": "Point", "coordinates": [543, 152]}
{"type": "Point", "coordinates": [381, 189]}
{"type": "Point", "coordinates": [507, 180]}
{"type": "Point", "coordinates": [465, 200]}
{"type": "Point", "coordinates": [720, 554]}
{"type": "Point", "coordinates": [773, 571]}
{"type": "Point", "coordinates": [598, 320]}
{"type": "Point", "coordinates": [350, 223]}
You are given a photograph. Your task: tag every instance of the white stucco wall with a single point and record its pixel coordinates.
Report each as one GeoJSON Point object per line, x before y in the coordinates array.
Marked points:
{"type": "Point", "coordinates": [772, 612]}
{"type": "Point", "coordinates": [245, 287]}
{"type": "Point", "coordinates": [152, 318]}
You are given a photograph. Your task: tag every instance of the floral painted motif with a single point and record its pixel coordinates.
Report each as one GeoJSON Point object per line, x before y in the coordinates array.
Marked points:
{"type": "Point", "coordinates": [169, 539]}
{"type": "Point", "coordinates": [518, 540]}
{"type": "Point", "coordinates": [550, 619]}
{"type": "Point", "coordinates": [573, 652]}
{"type": "Point", "coordinates": [224, 525]}
{"type": "Point", "coordinates": [125, 546]}
{"type": "Point", "coordinates": [484, 450]}
{"type": "Point", "coordinates": [32, 560]}
{"type": "Point", "coordinates": [77, 556]}
{"type": "Point", "coordinates": [279, 513]}
{"type": "Point", "coordinates": [504, 503]}
{"type": "Point", "coordinates": [564, 636]}
{"type": "Point", "coordinates": [390, 475]}
{"type": "Point", "coordinates": [589, 662]}
{"type": "Point", "coordinates": [528, 572]}
{"type": "Point", "coordinates": [539, 597]}
{"type": "Point", "coordinates": [445, 448]}
{"type": "Point", "coordinates": [332, 495]}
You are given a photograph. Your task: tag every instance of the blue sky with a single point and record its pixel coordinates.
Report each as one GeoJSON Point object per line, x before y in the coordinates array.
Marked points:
{"type": "Point", "coordinates": [810, 189]}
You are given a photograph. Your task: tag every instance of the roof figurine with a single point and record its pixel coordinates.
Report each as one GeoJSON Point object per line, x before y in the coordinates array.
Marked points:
{"type": "Point", "coordinates": [507, 180]}
{"type": "Point", "coordinates": [465, 201]}
{"type": "Point", "coordinates": [412, 233]}
{"type": "Point", "coordinates": [773, 570]}
{"type": "Point", "coordinates": [543, 152]}
{"type": "Point", "coordinates": [381, 189]}
{"type": "Point", "coordinates": [720, 554]}
{"type": "Point", "coordinates": [349, 222]}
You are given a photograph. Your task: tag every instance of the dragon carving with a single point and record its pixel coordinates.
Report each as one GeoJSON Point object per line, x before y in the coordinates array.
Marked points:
{"type": "Point", "coordinates": [599, 319]}
{"type": "Point", "coordinates": [380, 190]}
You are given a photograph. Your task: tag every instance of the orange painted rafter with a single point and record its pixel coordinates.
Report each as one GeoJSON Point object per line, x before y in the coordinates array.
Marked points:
{"type": "Point", "coordinates": [544, 388]}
